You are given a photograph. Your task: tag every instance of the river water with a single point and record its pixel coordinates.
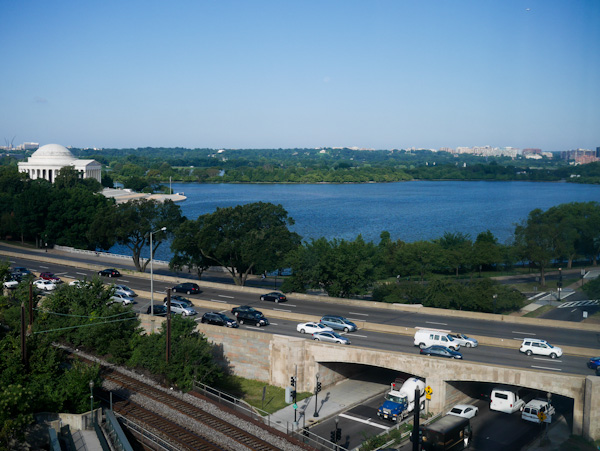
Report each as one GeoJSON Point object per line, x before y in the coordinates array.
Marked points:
{"type": "Point", "coordinates": [410, 211]}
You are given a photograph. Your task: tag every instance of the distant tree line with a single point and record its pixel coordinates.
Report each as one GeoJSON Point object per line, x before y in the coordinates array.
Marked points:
{"type": "Point", "coordinates": [148, 169]}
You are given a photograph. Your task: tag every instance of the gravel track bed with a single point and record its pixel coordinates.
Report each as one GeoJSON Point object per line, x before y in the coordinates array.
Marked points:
{"type": "Point", "coordinates": [186, 421]}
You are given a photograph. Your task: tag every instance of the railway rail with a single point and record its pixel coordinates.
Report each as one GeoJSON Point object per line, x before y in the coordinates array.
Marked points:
{"type": "Point", "coordinates": [184, 424]}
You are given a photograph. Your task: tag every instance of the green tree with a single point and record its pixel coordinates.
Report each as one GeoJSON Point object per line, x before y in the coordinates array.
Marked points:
{"type": "Point", "coordinates": [186, 249]}
{"type": "Point", "coordinates": [536, 240]}
{"type": "Point", "coordinates": [247, 239]}
{"type": "Point", "coordinates": [457, 249]}
{"type": "Point", "coordinates": [131, 224]}
{"type": "Point", "coordinates": [419, 258]}
{"type": "Point", "coordinates": [486, 251]}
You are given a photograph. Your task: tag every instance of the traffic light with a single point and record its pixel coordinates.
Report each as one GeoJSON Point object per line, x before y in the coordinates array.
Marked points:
{"type": "Point", "coordinates": [338, 434]}
{"type": "Point", "coordinates": [318, 387]}
{"type": "Point", "coordinates": [288, 395]}
{"type": "Point", "coordinates": [332, 435]}
{"type": "Point", "coordinates": [294, 395]}
{"type": "Point", "coordinates": [293, 381]}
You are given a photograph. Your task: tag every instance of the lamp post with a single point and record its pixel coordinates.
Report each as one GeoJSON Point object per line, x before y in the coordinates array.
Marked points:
{"type": "Point", "coordinates": [495, 297]}
{"type": "Point", "coordinates": [559, 285]}
{"type": "Point", "coordinates": [152, 270]}
{"type": "Point", "coordinates": [92, 401]}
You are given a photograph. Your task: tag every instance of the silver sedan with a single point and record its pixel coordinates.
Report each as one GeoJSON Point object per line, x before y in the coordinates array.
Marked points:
{"type": "Point", "coordinates": [330, 337]}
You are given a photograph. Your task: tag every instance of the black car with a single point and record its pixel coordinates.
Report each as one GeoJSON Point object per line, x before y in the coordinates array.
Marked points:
{"type": "Point", "coordinates": [244, 308]}
{"type": "Point", "coordinates": [254, 317]}
{"type": "Point", "coordinates": [159, 310]}
{"type": "Point", "coordinates": [176, 297]}
{"type": "Point", "coordinates": [218, 319]}
{"type": "Point", "coordinates": [109, 272]}
{"type": "Point", "coordinates": [187, 287]}
{"type": "Point", "coordinates": [441, 351]}
{"type": "Point", "coordinates": [273, 296]}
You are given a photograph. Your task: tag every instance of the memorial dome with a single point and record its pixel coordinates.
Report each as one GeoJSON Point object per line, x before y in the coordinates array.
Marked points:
{"type": "Point", "coordinates": [54, 152]}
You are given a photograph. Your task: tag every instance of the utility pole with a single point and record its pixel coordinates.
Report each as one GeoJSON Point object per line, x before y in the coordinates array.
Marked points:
{"type": "Point", "coordinates": [415, 431]}
{"type": "Point", "coordinates": [168, 324]}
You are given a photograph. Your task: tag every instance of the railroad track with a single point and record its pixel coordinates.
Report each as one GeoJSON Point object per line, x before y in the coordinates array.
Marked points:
{"type": "Point", "coordinates": [206, 426]}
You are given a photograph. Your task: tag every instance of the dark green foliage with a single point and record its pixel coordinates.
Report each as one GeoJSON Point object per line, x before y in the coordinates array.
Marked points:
{"type": "Point", "coordinates": [244, 239]}
{"type": "Point", "coordinates": [191, 355]}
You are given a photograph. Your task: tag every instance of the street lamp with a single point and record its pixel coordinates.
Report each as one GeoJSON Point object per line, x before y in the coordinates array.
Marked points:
{"type": "Point", "coordinates": [92, 401]}
{"type": "Point", "coordinates": [559, 285]}
{"type": "Point", "coordinates": [152, 271]}
{"type": "Point", "coordinates": [495, 297]}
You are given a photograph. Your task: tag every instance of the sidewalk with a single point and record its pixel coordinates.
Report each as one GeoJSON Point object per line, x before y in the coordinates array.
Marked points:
{"type": "Point", "coordinates": [331, 401]}
{"type": "Point", "coordinates": [558, 433]}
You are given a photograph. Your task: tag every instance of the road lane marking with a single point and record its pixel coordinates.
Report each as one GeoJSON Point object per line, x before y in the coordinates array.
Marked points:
{"type": "Point", "coordinates": [81, 273]}
{"type": "Point", "coordinates": [522, 333]}
{"type": "Point", "coordinates": [356, 335]}
{"type": "Point", "coordinates": [219, 300]}
{"type": "Point", "coordinates": [123, 281]}
{"type": "Point", "coordinates": [432, 322]}
{"type": "Point", "coordinates": [545, 368]}
{"type": "Point", "coordinates": [225, 296]}
{"type": "Point", "coordinates": [282, 310]}
{"type": "Point", "coordinates": [290, 305]}
{"type": "Point", "coordinates": [45, 267]}
{"type": "Point", "coordinates": [360, 420]}
{"type": "Point", "coordinates": [361, 314]}
{"type": "Point", "coordinates": [546, 359]}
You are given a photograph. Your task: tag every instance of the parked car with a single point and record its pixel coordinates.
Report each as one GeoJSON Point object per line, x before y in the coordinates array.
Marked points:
{"type": "Point", "coordinates": [49, 276]}
{"type": "Point", "coordinates": [11, 282]}
{"type": "Point", "coordinates": [109, 272]}
{"type": "Point", "coordinates": [464, 410]}
{"type": "Point", "coordinates": [159, 310]}
{"type": "Point", "coordinates": [465, 341]}
{"type": "Point", "coordinates": [187, 287]}
{"type": "Point", "coordinates": [45, 285]}
{"type": "Point", "coordinates": [21, 270]}
{"type": "Point", "coordinates": [275, 296]}
{"type": "Point", "coordinates": [330, 337]}
{"type": "Point", "coordinates": [176, 297]}
{"type": "Point", "coordinates": [540, 347]}
{"type": "Point", "coordinates": [311, 328]}
{"type": "Point", "coordinates": [122, 298]}
{"type": "Point", "coordinates": [182, 309]}
{"type": "Point", "coordinates": [218, 319]}
{"type": "Point", "coordinates": [244, 308]}
{"type": "Point", "coordinates": [252, 317]}
{"type": "Point", "coordinates": [77, 283]}
{"type": "Point", "coordinates": [125, 289]}
{"type": "Point", "coordinates": [338, 323]}
{"type": "Point", "coordinates": [593, 363]}
{"type": "Point", "coordinates": [441, 351]}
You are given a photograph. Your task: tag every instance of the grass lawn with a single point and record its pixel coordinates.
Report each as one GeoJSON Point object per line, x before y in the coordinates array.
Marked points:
{"type": "Point", "coordinates": [540, 311]}
{"type": "Point", "coordinates": [251, 391]}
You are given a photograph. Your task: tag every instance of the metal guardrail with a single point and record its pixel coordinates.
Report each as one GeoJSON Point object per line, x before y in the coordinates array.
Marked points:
{"type": "Point", "coordinates": [115, 432]}
{"type": "Point", "coordinates": [145, 436]}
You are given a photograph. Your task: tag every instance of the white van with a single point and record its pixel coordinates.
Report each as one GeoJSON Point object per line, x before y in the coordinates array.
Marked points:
{"type": "Point", "coordinates": [425, 338]}
{"type": "Point", "coordinates": [536, 407]}
{"type": "Point", "coordinates": [504, 399]}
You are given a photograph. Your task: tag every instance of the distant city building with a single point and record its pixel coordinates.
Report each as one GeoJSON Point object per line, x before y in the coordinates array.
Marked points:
{"type": "Point", "coordinates": [580, 156]}
{"type": "Point", "coordinates": [45, 163]}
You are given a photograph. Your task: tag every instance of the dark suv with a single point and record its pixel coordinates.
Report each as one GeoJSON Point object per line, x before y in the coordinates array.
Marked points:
{"type": "Point", "coordinates": [254, 317]}
{"type": "Point", "coordinates": [187, 287]}
{"type": "Point", "coordinates": [218, 319]}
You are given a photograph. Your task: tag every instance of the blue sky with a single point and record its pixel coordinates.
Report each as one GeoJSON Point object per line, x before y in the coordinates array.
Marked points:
{"type": "Point", "coordinates": [270, 74]}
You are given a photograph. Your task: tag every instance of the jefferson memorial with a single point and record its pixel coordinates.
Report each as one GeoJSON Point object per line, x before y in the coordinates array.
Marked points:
{"type": "Point", "coordinates": [45, 163]}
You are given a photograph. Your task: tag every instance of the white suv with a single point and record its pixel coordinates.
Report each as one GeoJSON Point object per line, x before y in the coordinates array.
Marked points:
{"type": "Point", "coordinates": [540, 347]}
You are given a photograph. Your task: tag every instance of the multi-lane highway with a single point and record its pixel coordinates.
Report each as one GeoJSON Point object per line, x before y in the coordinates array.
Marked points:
{"type": "Point", "coordinates": [227, 298]}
